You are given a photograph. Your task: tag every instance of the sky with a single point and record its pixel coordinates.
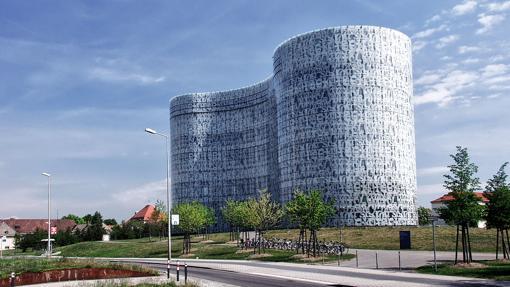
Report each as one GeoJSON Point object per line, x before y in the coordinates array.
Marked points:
{"type": "Point", "coordinates": [80, 80]}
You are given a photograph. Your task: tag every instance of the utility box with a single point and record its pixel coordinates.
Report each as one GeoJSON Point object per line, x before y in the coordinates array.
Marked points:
{"type": "Point", "coordinates": [405, 239]}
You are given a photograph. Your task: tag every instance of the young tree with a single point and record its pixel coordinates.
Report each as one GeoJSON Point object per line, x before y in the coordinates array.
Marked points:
{"type": "Point", "coordinates": [464, 209]}
{"type": "Point", "coordinates": [160, 218]}
{"type": "Point", "coordinates": [228, 213]}
{"type": "Point", "coordinates": [498, 209]}
{"type": "Point", "coordinates": [424, 215]}
{"type": "Point", "coordinates": [298, 213]}
{"type": "Point", "coordinates": [210, 220]}
{"type": "Point", "coordinates": [192, 217]}
{"type": "Point", "coordinates": [318, 212]}
{"type": "Point", "coordinates": [263, 214]}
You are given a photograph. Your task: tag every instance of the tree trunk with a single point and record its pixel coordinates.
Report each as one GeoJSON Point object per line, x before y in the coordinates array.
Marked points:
{"type": "Point", "coordinates": [497, 242]}
{"type": "Point", "coordinates": [469, 244]}
{"type": "Point", "coordinates": [507, 245]}
{"type": "Point", "coordinates": [463, 238]}
{"type": "Point", "coordinates": [457, 245]}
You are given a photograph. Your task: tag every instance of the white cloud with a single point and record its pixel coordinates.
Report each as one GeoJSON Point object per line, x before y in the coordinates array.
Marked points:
{"type": "Point", "coordinates": [148, 192]}
{"type": "Point", "coordinates": [471, 61]}
{"type": "Point", "coordinates": [427, 79]}
{"type": "Point", "coordinates": [494, 70]}
{"type": "Point", "coordinates": [468, 49]}
{"type": "Point", "coordinates": [418, 45]}
{"type": "Point", "coordinates": [464, 8]}
{"type": "Point", "coordinates": [446, 40]}
{"type": "Point", "coordinates": [432, 170]}
{"type": "Point", "coordinates": [499, 6]}
{"type": "Point", "coordinates": [428, 32]}
{"type": "Point", "coordinates": [446, 89]}
{"type": "Point", "coordinates": [488, 22]}
{"type": "Point", "coordinates": [110, 75]}
{"type": "Point", "coordinates": [433, 19]}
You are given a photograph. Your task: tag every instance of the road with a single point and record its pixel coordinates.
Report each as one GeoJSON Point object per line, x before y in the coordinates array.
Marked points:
{"type": "Point", "coordinates": [249, 273]}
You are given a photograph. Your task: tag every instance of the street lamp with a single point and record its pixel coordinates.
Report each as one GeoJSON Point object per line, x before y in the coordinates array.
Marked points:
{"type": "Point", "coordinates": [48, 248]}
{"type": "Point", "coordinates": [168, 199]}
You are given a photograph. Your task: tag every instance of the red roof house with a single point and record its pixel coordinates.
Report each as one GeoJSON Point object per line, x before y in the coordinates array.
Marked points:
{"type": "Point", "coordinates": [145, 214]}
{"type": "Point", "coordinates": [24, 226]}
{"type": "Point", "coordinates": [448, 197]}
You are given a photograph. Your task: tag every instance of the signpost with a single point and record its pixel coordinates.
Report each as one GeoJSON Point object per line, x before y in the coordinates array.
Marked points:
{"type": "Point", "coordinates": [175, 219]}
{"type": "Point", "coordinates": [434, 218]}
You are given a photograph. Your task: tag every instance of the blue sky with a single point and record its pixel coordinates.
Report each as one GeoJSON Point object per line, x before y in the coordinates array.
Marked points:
{"type": "Point", "coordinates": [80, 80]}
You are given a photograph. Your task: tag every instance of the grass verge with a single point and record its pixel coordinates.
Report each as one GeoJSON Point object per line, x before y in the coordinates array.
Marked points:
{"type": "Point", "coordinates": [497, 270]}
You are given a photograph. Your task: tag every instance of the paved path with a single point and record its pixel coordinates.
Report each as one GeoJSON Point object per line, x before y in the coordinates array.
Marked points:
{"type": "Point", "coordinates": [408, 258]}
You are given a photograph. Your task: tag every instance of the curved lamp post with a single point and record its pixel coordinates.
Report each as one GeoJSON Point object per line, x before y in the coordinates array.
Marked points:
{"type": "Point", "coordinates": [168, 198]}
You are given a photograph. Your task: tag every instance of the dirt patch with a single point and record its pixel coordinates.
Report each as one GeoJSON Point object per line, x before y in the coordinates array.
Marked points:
{"type": "Point", "coordinates": [242, 251]}
{"type": "Point", "coordinates": [71, 275]}
{"type": "Point", "coordinates": [207, 241]}
{"type": "Point", "coordinates": [189, 255]}
{"type": "Point", "coordinates": [469, 265]}
{"type": "Point", "coordinates": [262, 255]}
{"type": "Point", "coordinates": [305, 258]}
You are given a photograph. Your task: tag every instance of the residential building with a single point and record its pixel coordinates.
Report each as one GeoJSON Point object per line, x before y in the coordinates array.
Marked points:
{"type": "Point", "coordinates": [9, 233]}
{"type": "Point", "coordinates": [438, 203]}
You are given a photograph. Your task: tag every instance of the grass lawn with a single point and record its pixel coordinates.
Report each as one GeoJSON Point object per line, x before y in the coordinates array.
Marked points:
{"type": "Point", "coordinates": [217, 247]}
{"type": "Point", "coordinates": [498, 270]}
{"type": "Point", "coordinates": [23, 265]}
{"type": "Point", "coordinates": [139, 248]}
{"type": "Point", "coordinates": [482, 240]}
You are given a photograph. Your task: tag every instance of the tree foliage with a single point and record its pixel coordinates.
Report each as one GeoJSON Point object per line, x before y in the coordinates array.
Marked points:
{"type": "Point", "coordinates": [498, 209]}
{"type": "Point", "coordinates": [192, 217]}
{"type": "Point", "coordinates": [464, 210]}
{"type": "Point", "coordinates": [263, 213]}
{"type": "Point", "coordinates": [424, 214]}
{"type": "Point", "coordinates": [75, 218]}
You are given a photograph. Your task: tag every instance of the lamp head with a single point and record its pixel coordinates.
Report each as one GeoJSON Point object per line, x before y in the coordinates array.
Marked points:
{"type": "Point", "coordinates": [46, 174]}
{"type": "Point", "coordinates": [151, 131]}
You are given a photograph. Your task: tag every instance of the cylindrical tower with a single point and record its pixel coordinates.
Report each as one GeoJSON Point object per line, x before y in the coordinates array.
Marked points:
{"type": "Point", "coordinates": [345, 122]}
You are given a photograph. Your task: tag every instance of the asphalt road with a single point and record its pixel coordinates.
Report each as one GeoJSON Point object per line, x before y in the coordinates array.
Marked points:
{"type": "Point", "coordinates": [248, 280]}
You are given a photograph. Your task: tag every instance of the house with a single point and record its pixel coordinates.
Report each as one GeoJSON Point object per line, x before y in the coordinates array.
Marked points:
{"type": "Point", "coordinates": [8, 242]}
{"type": "Point", "coordinates": [24, 226]}
{"type": "Point", "coordinates": [145, 214]}
{"type": "Point", "coordinates": [436, 204]}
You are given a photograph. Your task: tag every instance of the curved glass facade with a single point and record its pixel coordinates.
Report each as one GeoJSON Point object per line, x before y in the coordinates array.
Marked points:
{"type": "Point", "coordinates": [336, 115]}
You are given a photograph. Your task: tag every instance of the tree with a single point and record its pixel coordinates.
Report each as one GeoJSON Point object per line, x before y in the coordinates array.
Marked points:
{"type": "Point", "coordinates": [66, 237]}
{"type": "Point", "coordinates": [263, 214]}
{"type": "Point", "coordinates": [424, 215]}
{"type": "Point", "coordinates": [497, 192]}
{"type": "Point", "coordinates": [31, 240]}
{"type": "Point", "coordinates": [110, 221]}
{"type": "Point", "coordinates": [160, 218]}
{"type": "Point", "coordinates": [75, 218]}
{"type": "Point", "coordinates": [297, 211]}
{"type": "Point", "coordinates": [87, 218]}
{"type": "Point", "coordinates": [210, 220]}
{"type": "Point", "coordinates": [464, 210]}
{"type": "Point", "coordinates": [94, 230]}
{"type": "Point", "coordinates": [192, 217]}
{"type": "Point", "coordinates": [318, 212]}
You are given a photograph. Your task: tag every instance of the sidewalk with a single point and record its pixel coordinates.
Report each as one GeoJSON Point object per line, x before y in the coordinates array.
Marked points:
{"type": "Point", "coordinates": [408, 258]}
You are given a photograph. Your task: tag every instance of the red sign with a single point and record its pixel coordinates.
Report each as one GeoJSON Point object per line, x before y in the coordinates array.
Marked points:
{"type": "Point", "coordinates": [53, 230]}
